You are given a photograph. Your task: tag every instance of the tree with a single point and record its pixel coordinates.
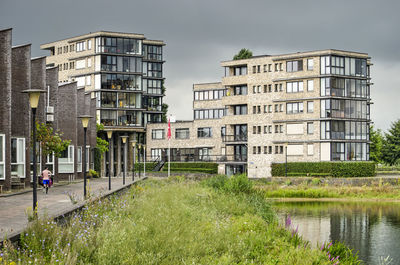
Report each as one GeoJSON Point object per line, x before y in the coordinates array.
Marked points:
{"type": "Point", "coordinates": [391, 145]}
{"type": "Point", "coordinates": [376, 146]}
{"type": "Point", "coordinates": [243, 54]}
{"type": "Point", "coordinates": [50, 142]}
{"type": "Point", "coordinates": [164, 106]}
{"type": "Point", "coordinates": [101, 144]}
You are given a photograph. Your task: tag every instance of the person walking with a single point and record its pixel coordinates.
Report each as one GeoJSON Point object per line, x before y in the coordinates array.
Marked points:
{"type": "Point", "coordinates": [46, 174]}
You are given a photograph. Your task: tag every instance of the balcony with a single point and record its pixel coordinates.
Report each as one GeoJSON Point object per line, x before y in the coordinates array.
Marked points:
{"type": "Point", "coordinates": [234, 139]}
{"type": "Point", "coordinates": [202, 158]}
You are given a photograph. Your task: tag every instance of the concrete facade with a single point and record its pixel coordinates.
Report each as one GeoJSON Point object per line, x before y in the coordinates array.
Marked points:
{"type": "Point", "coordinates": [58, 107]}
{"type": "Point", "coordinates": [306, 106]}
{"type": "Point", "coordinates": [123, 72]}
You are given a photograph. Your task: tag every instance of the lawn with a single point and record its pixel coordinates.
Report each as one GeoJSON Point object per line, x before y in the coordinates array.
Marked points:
{"type": "Point", "coordinates": [174, 221]}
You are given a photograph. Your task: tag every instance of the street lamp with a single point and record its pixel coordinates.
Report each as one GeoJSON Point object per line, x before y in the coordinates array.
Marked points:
{"type": "Point", "coordinates": [109, 135]}
{"type": "Point", "coordinates": [124, 142]}
{"type": "Point", "coordinates": [139, 147]}
{"type": "Point", "coordinates": [85, 123]}
{"type": "Point", "coordinates": [144, 160]}
{"type": "Point", "coordinates": [34, 96]}
{"type": "Point", "coordinates": [286, 161]}
{"type": "Point", "coordinates": [134, 157]}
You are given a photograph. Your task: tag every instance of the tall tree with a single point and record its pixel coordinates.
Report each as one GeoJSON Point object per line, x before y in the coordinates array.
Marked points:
{"type": "Point", "coordinates": [243, 54]}
{"type": "Point", "coordinates": [391, 145]}
{"type": "Point", "coordinates": [164, 106]}
{"type": "Point", "coordinates": [51, 141]}
{"type": "Point", "coordinates": [376, 146]}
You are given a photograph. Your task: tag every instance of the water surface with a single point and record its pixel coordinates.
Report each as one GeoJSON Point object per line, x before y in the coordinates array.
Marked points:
{"type": "Point", "coordinates": [371, 228]}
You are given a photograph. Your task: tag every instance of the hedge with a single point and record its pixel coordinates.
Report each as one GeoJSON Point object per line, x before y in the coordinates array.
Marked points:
{"type": "Point", "coordinates": [191, 167]}
{"type": "Point", "coordinates": [334, 169]}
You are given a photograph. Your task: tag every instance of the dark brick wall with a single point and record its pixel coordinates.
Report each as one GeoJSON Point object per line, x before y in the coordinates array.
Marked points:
{"type": "Point", "coordinates": [65, 117]}
{"type": "Point", "coordinates": [52, 83]}
{"type": "Point", "coordinates": [5, 100]}
{"type": "Point", "coordinates": [20, 109]}
{"type": "Point", "coordinates": [38, 81]}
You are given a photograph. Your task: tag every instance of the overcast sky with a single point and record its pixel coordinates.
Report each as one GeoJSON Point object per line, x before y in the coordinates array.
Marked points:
{"type": "Point", "coordinates": [201, 33]}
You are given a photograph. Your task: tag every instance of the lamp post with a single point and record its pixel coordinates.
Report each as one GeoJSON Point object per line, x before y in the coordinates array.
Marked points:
{"type": "Point", "coordinates": [109, 136]}
{"type": "Point", "coordinates": [85, 123]}
{"type": "Point", "coordinates": [286, 161]}
{"type": "Point", "coordinates": [134, 157]}
{"type": "Point", "coordinates": [124, 138]}
{"type": "Point", "coordinates": [139, 147]}
{"type": "Point", "coordinates": [144, 160]}
{"type": "Point", "coordinates": [34, 96]}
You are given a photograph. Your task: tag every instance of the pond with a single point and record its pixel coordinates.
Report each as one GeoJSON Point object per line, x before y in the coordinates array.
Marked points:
{"type": "Point", "coordinates": [371, 228]}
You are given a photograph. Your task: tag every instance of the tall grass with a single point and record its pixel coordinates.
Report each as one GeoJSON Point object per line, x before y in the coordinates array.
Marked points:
{"type": "Point", "coordinates": [168, 222]}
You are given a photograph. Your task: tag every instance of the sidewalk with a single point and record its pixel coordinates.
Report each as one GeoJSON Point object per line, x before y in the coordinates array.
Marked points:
{"type": "Point", "coordinates": [12, 208]}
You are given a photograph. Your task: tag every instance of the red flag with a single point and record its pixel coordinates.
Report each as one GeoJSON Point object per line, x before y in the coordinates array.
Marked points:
{"type": "Point", "coordinates": [169, 130]}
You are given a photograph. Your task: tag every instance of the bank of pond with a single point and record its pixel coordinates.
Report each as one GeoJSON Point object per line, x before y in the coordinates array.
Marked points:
{"type": "Point", "coordinates": [219, 220]}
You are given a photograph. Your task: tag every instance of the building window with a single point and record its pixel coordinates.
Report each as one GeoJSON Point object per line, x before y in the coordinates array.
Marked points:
{"type": "Point", "coordinates": [89, 44]}
{"type": "Point", "coordinates": [240, 90]}
{"type": "Point", "coordinates": [156, 153]}
{"type": "Point", "coordinates": [209, 114]}
{"type": "Point", "coordinates": [18, 157]}
{"type": "Point", "coordinates": [258, 129]}
{"type": "Point", "coordinates": [118, 45]}
{"type": "Point", "coordinates": [265, 149]}
{"type": "Point", "coordinates": [254, 129]}
{"type": "Point", "coordinates": [281, 128]}
{"type": "Point", "coordinates": [310, 106]}
{"type": "Point", "coordinates": [310, 64]}
{"type": "Point", "coordinates": [276, 67]}
{"type": "Point", "coordinates": [270, 149]}
{"type": "Point", "coordinates": [81, 46]}
{"type": "Point", "coordinates": [152, 52]}
{"type": "Point", "coordinates": [89, 62]}
{"type": "Point", "coordinates": [294, 66]}
{"type": "Point", "coordinates": [310, 149]}
{"type": "Point", "coordinates": [240, 70]}
{"type": "Point", "coordinates": [71, 65]}
{"type": "Point", "coordinates": [310, 128]}
{"type": "Point", "coordinates": [254, 150]}
{"type": "Point", "coordinates": [254, 69]}
{"type": "Point", "coordinates": [265, 129]}
{"type": "Point", "coordinates": [66, 160]}
{"type": "Point", "coordinates": [240, 110]}
{"type": "Point", "coordinates": [2, 156]}
{"type": "Point", "coordinates": [310, 85]}
{"type": "Point", "coordinates": [294, 87]}
{"type": "Point", "coordinates": [157, 134]}
{"type": "Point", "coordinates": [280, 107]}
{"type": "Point", "coordinates": [296, 107]}
{"type": "Point", "coordinates": [72, 47]}
{"type": "Point", "coordinates": [281, 149]}
{"type": "Point", "coordinates": [276, 108]}
{"type": "Point", "coordinates": [79, 159]}
{"type": "Point", "coordinates": [205, 132]}
{"type": "Point", "coordinates": [182, 133]}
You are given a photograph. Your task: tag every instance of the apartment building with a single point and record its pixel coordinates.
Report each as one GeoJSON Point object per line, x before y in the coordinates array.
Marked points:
{"type": "Point", "coordinates": [305, 106]}
{"type": "Point", "coordinates": [124, 72]}
{"type": "Point", "coordinates": [60, 107]}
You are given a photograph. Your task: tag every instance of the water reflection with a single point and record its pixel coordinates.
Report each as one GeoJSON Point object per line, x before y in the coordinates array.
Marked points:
{"type": "Point", "coordinates": [373, 229]}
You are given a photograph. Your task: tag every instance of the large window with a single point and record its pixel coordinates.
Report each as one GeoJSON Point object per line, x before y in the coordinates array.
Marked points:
{"type": "Point", "coordinates": [209, 114]}
{"type": "Point", "coordinates": [340, 108]}
{"type": "Point", "coordinates": [294, 66]}
{"type": "Point", "coordinates": [240, 110]}
{"type": "Point", "coordinates": [121, 63]}
{"type": "Point", "coordinates": [240, 70]}
{"type": "Point", "coordinates": [2, 156]}
{"type": "Point", "coordinates": [66, 160]}
{"type": "Point", "coordinates": [152, 52]}
{"type": "Point", "coordinates": [350, 151]}
{"type": "Point", "coordinates": [209, 94]}
{"type": "Point", "coordinates": [158, 134]}
{"type": "Point", "coordinates": [295, 107]}
{"type": "Point", "coordinates": [108, 117]}
{"type": "Point", "coordinates": [152, 69]}
{"type": "Point", "coordinates": [294, 87]}
{"type": "Point", "coordinates": [79, 159]}
{"type": "Point", "coordinates": [338, 65]}
{"type": "Point", "coordinates": [182, 133]}
{"type": "Point", "coordinates": [240, 90]}
{"type": "Point", "coordinates": [18, 157]}
{"type": "Point", "coordinates": [121, 82]}
{"type": "Point", "coordinates": [118, 45]}
{"type": "Point", "coordinates": [81, 46]}
{"type": "Point", "coordinates": [118, 100]}
{"type": "Point", "coordinates": [344, 87]}
{"type": "Point", "coordinates": [205, 154]}
{"type": "Point", "coordinates": [152, 86]}
{"type": "Point", "coordinates": [204, 132]}
{"type": "Point", "coordinates": [344, 130]}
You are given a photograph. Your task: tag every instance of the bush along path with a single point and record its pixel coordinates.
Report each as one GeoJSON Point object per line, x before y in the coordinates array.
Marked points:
{"type": "Point", "coordinates": [170, 221]}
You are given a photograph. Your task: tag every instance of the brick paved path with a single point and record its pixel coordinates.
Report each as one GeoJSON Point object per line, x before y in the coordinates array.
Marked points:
{"type": "Point", "coordinates": [12, 209]}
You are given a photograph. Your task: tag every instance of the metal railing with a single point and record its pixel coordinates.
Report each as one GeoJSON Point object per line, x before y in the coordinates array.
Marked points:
{"type": "Point", "coordinates": [234, 138]}
{"type": "Point", "coordinates": [199, 158]}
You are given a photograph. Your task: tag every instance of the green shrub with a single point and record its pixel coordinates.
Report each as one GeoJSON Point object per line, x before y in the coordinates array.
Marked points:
{"type": "Point", "coordinates": [239, 184]}
{"type": "Point", "coordinates": [341, 253]}
{"type": "Point", "coordinates": [217, 182]}
{"type": "Point", "coordinates": [93, 173]}
{"type": "Point", "coordinates": [334, 169]}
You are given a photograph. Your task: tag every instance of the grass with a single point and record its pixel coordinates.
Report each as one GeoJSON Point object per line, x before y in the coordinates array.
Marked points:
{"type": "Point", "coordinates": [174, 221]}
{"type": "Point", "coordinates": [315, 189]}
